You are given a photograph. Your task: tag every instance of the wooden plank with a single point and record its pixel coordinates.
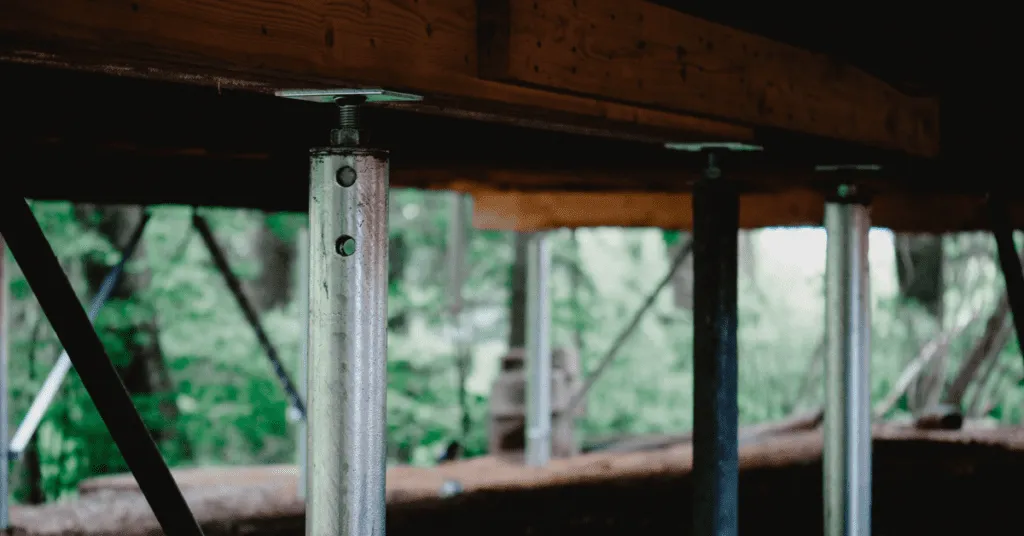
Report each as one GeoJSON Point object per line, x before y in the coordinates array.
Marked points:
{"type": "Point", "coordinates": [954, 470]}
{"type": "Point", "coordinates": [422, 46]}
{"type": "Point", "coordinates": [537, 211]}
{"type": "Point", "coordinates": [647, 54]}
{"type": "Point", "coordinates": [899, 211]}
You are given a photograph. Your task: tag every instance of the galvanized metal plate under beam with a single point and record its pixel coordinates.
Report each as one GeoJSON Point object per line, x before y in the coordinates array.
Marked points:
{"type": "Point", "coordinates": [328, 96]}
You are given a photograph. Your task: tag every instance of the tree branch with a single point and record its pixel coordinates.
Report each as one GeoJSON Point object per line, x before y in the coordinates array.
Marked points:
{"type": "Point", "coordinates": [928, 352]}
{"type": "Point", "coordinates": [991, 341]}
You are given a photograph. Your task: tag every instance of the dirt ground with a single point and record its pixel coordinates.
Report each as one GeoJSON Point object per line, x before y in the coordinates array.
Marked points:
{"type": "Point", "coordinates": [924, 482]}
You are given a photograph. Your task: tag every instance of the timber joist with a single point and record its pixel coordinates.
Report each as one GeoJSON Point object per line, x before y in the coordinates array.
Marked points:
{"type": "Point", "coordinates": [621, 65]}
{"type": "Point", "coordinates": [552, 104]}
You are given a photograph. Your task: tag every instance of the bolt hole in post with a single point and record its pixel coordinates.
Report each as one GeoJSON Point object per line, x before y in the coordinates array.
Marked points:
{"type": "Point", "coordinates": [346, 176]}
{"type": "Point", "coordinates": [346, 246]}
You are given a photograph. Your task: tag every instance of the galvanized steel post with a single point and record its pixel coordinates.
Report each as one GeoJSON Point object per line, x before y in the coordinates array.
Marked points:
{"type": "Point", "coordinates": [538, 351]}
{"type": "Point", "coordinates": [347, 346]}
{"type": "Point", "coordinates": [5, 489]}
{"type": "Point", "coordinates": [303, 380]}
{"type": "Point", "coordinates": [847, 449]}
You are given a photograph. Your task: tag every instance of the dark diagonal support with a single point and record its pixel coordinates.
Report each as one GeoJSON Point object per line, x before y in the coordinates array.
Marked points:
{"type": "Point", "coordinates": [221, 260]}
{"type": "Point", "coordinates": [41, 403]}
{"type": "Point", "coordinates": [715, 408]}
{"type": "Point", "coordinates": [1009, 261]}
{"type": "Point", "coordinates": [60, 305]}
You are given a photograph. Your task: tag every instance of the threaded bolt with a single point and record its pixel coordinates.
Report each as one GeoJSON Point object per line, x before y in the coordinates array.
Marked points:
{"type": "Point", "coordinates": [712, 171]}
{"type": "Point", "coordinates": [348, 115]}
{"type": "Point", "coordinates": [348, 110]}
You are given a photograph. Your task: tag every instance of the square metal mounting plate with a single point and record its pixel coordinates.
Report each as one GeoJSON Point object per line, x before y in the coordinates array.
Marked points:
{"type": "Point", "coordinates": [696, 147]}
{"type": "Point", "coordinates": [328, 95]}
{"type": "Point", "coordinates": [839, 168]}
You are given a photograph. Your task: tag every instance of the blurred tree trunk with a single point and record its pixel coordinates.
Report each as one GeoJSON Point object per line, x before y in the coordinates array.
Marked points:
{"type": "Point", "coordinates": [131, 338]}
{"type": "Point", "coordinates": [919, 264]}
{"type": "Point", "coordinates": [517, 282]}
{"type": "Point", "coordinates": [273, 287]}
{"type": "Point", "coordinates": [919, 270]}
{"type": "Point", "coordinates": [576, 286]}
{"type": "Point", "coordinates": [398, 254]}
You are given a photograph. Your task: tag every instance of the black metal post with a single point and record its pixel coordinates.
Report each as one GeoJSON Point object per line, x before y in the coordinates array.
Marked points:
{"type": "Point", "coordinates": [221, 260]}
{"type": "Point", "coordinates": [1009, 262]}
{"type": "Point", "coordinates": [60, 305]}
{"type": "Point", "coordinates": [715, 409]}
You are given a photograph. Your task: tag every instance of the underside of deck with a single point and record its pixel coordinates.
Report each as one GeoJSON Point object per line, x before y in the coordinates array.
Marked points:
{"type": "Point", "coordinates": [168, 101]}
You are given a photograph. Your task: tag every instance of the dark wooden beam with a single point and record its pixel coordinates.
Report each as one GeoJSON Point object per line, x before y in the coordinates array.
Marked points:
{"type": "Point", "coordinates": [645, 54]}
{"type": "Point", "coordinates": [99, 138]}
{"type": "Point", "coordinates": [427, 48]}
{"type": "Point", "coordinates": [159, 142]}
{"type": "Point", "coordinates": [431, 48]}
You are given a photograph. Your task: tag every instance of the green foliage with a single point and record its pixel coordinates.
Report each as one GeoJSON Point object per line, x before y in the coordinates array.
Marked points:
{"type": "Point", "coordinates": [225, 406]}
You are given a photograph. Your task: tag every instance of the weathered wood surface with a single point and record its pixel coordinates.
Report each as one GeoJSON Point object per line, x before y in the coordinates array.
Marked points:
{"type": "Point", "coordinates": [430, 47]}
{"type": "Point", "coordinates": [901, 212]}
{"type": "Point", "coordinates": [647, 54]}
{"type": "Point", "coordinates": [937, 482]}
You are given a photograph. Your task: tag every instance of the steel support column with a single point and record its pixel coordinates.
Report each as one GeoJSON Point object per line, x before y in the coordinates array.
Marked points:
{"type": "Point", "coordinates": [538, 350]}
{"type": "Point", "coordinates": [348, 291]}
{"type": "Point", "coordinates": [5, 488]}
{"type": "Point", "coordinates": [303, 297]}
{"type": "Point", "coordinates": [715, 409]}
{"type": "Point", "coordinates": [847, 449]}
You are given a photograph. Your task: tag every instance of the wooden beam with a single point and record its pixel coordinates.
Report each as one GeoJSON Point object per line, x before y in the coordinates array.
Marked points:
{"type": "Point", "coordinates": [133, 144]}
{"type": "Point", "coordinates": [642, 53]}
{"type": "Point", "coordinates": [538, 211]}
{"type": "Point", "coordinates": [424, 47]}
{"type": "Point", "coordinates": [121, 173]}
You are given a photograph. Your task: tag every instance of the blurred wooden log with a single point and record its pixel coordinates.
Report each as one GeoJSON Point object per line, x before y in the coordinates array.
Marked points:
{"type": "Point", "coordinates": [952, 471]}
{"type": "Point", "coordinates": [940, 417]}
{"type": "Point", "coordinates": [747, 434]}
